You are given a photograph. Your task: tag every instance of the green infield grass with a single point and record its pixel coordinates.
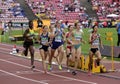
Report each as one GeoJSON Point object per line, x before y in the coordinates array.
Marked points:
{"type": "Point", "coordinates": [85, 47]}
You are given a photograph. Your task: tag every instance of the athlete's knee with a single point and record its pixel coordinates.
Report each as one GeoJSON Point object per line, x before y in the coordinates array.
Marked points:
{"type": "Point", "coordinates": [90, 60]}
{"type": "Point", "coordinates": [32, 52]}
{"type": "Point", "coordinates": [25, 52]}
{"type": "Point", "coordinates": [68, 55]}
{"type": "Point", "coordinates": [99, 57]}
{"type": "Point", "coordinates": [77, 58]}
{"type": "Point", "coordinates": [90, 57]}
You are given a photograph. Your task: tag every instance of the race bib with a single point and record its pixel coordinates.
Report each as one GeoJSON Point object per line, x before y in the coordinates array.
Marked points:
{"type": "Point", "coordinates": [44, 40]}
{"type": "Point", "coordinates": [58, 39]}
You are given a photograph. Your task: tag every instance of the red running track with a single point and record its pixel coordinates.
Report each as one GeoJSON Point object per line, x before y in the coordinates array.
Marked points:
{"type": "Point", "coordinates": [16, 70]}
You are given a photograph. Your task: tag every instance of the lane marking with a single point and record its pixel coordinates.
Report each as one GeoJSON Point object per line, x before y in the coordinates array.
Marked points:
{"type": "Point", "coordinates": [58, 80]}
{"type": "Point", "coordinates": [110, 76]}
{"type": "Point", "coordinates": [19, 55]}
{"type": "Point", "coordinates": [23, 77]}
{"type": "Point", "coordinates": [5, 49]}
{"type": "Point", "coordinates": [26, 72]}
{"type": "Point", "coordinates": [6, 44]}
{"type": "Point", "coordinates": [118, 70]}
{"type": "Point", "coordinates": [59, 71]}
{"type": "Point", "coordinates": [60, 76]}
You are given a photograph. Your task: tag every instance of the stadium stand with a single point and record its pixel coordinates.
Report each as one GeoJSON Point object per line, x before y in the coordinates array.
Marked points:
{"type": "Point", "coordinates": [11, 11]}
{"type": "Point", "coordinates": [105, 7]}
{"type": "Point", "coordinates": [66, 10]}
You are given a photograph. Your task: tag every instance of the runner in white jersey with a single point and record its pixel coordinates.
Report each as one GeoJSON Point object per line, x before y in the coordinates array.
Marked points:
{"type": "Point", "coordinates": [95, 42]}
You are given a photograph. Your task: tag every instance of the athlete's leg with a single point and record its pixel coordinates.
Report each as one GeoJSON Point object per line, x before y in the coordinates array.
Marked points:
{"type": "Point", "coordinates": [68, 52]}
{"type": "Point", "coordinates": [42, 54]}
{"type": "Point", "coordinates": [25, 51]}
{"type": "Point", "coordinates": [90, 62]}
{"type": "Point", "coordinates": [31, 49]}
{"type": "Point", "coordinates": [50, 58]}
{"type": "Point", "coordinates": [98, 54]}
{"type": "Point", "coordinates": [61, 55]}
{"type": "Point", "coordinates": [77, 59]}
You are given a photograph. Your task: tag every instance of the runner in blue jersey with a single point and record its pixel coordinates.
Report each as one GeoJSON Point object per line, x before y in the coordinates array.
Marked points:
{"type": "Point", "coordinates": [57, 44]}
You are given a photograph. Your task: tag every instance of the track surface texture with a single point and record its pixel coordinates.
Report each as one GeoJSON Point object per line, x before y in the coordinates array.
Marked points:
{"type": "Point", "coordinates": [16, 70]}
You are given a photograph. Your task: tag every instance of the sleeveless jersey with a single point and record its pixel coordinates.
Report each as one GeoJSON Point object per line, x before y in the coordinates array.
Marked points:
{"type": "Point", "coordinates": [58, 38]}
{"type": "Point", "coordinates": [96, 42]}
{"type": "Point", "coordinates": [31, 33]}
{"type": "Point", "coordinates": [44, 39]}
{"type": "Point", "coordinates": [77, 36]}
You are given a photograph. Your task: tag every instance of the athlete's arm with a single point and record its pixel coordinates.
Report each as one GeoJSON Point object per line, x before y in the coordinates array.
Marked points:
{"type": "Point", "coordinates": [101, 42]}
{"type": "Point", "coordinates": [90, 39]}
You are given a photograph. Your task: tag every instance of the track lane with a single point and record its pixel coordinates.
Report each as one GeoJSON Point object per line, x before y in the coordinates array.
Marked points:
{"type": "Point", "coordinates": [13, 67]}
{"type": "Point", "coordinates": [54, 77]}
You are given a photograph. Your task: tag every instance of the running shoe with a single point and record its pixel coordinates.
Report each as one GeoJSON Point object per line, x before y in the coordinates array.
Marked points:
{"type": "Point", "coordinates": [89, 73]}
{"type": "Point", "coordinates": [32, 67]}
{"type": "Point", "coordinates": [74, 73]}
{"type": "Point", "coordinates": [49, 67]}
{"type": "Point", "coordinates": [60, 67]}
{"type": "Point", "coordinates": [24, 54]}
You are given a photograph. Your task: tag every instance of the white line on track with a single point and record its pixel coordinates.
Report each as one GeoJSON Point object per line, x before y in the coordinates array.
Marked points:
{"type": "Point", "coordinates": [69, 78]}
{"type": "Point", "coordinates": [26, 72]}
{"type": "Point", "coordinates": [88, 82]}
{"type": "Point", "coordinates": [23, 77]}
{"type": "Point", "coordinates": [6, 44]}
{"type": "Point", "coordinates": [10, 45]}
{"type": "Point", "coordinates": [6, 49]}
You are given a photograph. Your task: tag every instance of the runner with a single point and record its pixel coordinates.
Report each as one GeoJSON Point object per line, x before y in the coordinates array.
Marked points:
{"type": "Point", "coordinates": [76, 50]}
{"type": "Point", "coordinates": [44, 40]}
{"type": "Point", "coordinates": [57, 44]}
{"type": "Point", "coordinates": [69, 46]}
{"type": "Point", "coordinates": [94, 41]}
{"type": "Point", "coordinates": [51, 30]}
{"type": "Point", "coordinates": [28, 42]}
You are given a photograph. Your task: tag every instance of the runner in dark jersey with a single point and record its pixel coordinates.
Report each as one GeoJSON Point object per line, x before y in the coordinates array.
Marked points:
{"type": "Point", "coordinates": [57, 44]}
{"type": "Point", "coordinates": [29, 36]}
{"type": "Point", "coordinates": [44, 45]}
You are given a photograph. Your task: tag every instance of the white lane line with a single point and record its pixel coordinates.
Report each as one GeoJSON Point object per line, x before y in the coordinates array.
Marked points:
{"type": "Point", "coordinates": [5, 44]}
{"type": "Point", "coordinates": [26, 72]}
{"type": "Point", "coordinates": [36, 81]}
{"type": "Point", "coordinates": [10, 45]}
{"type": "Point", "coordinates": [60, 76]}
{"type": "Point", "coordinates": [5, 49]}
